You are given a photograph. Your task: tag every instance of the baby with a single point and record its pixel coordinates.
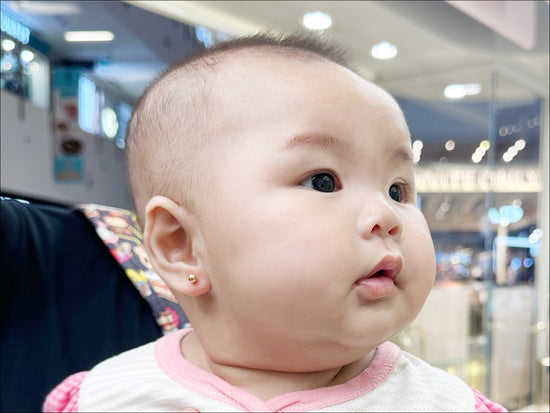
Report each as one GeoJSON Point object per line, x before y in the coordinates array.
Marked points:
{"type": "Point", "coordinates": [276, 190]}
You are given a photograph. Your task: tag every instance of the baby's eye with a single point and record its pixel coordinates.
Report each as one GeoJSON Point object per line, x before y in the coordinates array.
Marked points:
{"type": "Point", "coordinates": [322, 182]}
{"type": "Point", "coordinates": [396, 193]}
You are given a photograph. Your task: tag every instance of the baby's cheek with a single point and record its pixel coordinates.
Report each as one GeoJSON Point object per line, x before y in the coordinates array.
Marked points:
{"type": "Point", "coordinates": [419, 257]}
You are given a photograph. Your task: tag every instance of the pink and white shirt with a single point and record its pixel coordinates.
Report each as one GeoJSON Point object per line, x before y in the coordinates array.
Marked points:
{"type": "Point", "coordinates": [156, 377]}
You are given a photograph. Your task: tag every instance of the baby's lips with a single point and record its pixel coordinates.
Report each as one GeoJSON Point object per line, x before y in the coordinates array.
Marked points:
{"type": "Point", "coordinates": [389, 266]}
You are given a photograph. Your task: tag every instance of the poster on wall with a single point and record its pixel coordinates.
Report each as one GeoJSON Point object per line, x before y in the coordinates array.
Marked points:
{"type": "Point", "coordinates": [68, 136]}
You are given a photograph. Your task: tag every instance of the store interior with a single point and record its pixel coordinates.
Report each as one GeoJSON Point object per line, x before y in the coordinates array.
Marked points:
{"type": "Point", "coordinates": [472, 79]}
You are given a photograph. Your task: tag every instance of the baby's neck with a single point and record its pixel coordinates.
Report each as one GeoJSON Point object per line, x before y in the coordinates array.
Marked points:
{"type": "Point", "coordinates": [267, 384]}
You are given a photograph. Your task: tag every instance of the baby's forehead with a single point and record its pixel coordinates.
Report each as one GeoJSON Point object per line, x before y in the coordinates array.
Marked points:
{"type": "Point", "coordinates": [253, 67]}
{"type": "Point", "coordinates": [224, 83]}
{"type": "Point", "coordinates": [256, 68]}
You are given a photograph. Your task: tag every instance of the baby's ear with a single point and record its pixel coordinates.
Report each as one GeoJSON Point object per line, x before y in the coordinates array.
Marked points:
{"type": "Point", "coordinates": [170, 235]}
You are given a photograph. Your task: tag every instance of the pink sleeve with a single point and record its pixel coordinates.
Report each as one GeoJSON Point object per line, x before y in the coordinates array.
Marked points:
{"type": "Point", "coordinates": [64, 398]}
{"type": "Point", "coordinates": [483, 404]}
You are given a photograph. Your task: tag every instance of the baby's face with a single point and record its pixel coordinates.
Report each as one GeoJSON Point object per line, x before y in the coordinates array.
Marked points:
{"type": "Point", "coordinates": [316, 247]}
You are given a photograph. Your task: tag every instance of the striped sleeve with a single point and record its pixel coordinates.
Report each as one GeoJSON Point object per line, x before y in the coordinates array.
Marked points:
{"type": "Point", "coordinates": [64, 398]}
{"type": "Point", "coordinates": [483, 404]}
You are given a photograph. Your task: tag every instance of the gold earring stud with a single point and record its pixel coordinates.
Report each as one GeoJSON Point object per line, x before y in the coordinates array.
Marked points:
{"type": "Point", "coordinates": [192, 278]}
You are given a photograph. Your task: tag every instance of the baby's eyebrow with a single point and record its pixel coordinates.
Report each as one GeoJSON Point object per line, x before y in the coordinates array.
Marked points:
{"type": "Point", "coordinates": [329, 142]}
{"type": "Point", "coordinates": [402, 154]}
{"type": "Point", "coordinates": [319, 141]}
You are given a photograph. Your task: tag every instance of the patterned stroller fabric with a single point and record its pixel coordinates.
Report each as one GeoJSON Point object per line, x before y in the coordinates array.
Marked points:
{"type": "Point", "coordinates": [121, 233]}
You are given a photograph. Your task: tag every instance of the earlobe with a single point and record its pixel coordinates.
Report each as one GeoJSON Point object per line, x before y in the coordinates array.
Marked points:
{"type": "Point", "coordinates": [170, 237]}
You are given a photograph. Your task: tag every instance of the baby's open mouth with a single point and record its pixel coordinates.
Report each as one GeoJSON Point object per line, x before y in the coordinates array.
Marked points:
{"type": "Point", "coordinates": [381, 280]}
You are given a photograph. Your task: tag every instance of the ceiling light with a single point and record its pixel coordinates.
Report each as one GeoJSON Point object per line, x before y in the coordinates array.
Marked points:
{"type": "Point", "coordinates": [520, 144]}
{"type": "Point", "coordinates": [383, 50]}
{"type": "Point", "coordinates": [450, 145]}
{"type": "Point", "coordinates": [480, 151]}
{"type": "Point", "coordinates": [45, 7]}
{"type": "Point", "coordinates": [459, 90]}
{"type": "Point", "coordinates": [8, 45]}
{"type": "Point", "coordinates": [89, 36]}
{"type": "Point", "coordinates": [418, 144]}
{"type": "Point", "coordinates": [455, 91]}
{"type": "Point", "coordinates": [27, 56]}
{"type": "Point", "coordinates": [316, 20]}
{"type": "Point", "coordinates": [417, 150]}
{"type": "Point", "coordinates": [473, 89]}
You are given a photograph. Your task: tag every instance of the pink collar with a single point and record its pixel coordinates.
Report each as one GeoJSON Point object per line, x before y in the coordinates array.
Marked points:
{"type": "Point", "coordinates": [172, 362]}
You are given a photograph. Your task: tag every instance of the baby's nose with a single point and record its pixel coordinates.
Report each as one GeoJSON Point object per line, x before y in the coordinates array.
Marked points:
{"type": "Point", "coordinates": [379, 218]}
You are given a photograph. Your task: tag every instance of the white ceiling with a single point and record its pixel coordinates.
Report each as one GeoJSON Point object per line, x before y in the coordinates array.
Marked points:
{"type": "Point", "coordinates": [437, 43]}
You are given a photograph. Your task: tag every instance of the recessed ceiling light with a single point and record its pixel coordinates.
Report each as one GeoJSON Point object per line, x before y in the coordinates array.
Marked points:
{"type": "Point", "coordinates": [27, 56]}
{"type": "Point", "coordinates": [459, 90]}
{"type": "Point", "coordinates": [316, 20]}
{"type": "Point", "coordinates": [520, 144]}
{"type": "Point", "coordinates": [89, 36]}
{"type": "Point", "coordinates": [476, 158]}
{"type": "Point", "coordinates": [8, 45]}
{"type": "Point", "coordinates": [480, 151]}
{"type": "Point", "coordinates": [485, 144]}
{"type": "Point", "coordinates": [455, 91]}
{"type": "Point", "coordinates": [417, 150]}
{"type": "Point", "coordinates": [45, 7]}
{"type": "Point", "coordinates": [383, 50]}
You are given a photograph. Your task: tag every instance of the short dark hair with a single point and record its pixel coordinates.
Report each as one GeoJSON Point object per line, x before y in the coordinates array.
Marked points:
{"type": "Point", "coordinates": [295, 45]}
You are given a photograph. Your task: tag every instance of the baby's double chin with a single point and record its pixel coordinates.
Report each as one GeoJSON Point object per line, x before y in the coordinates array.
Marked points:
{"type": "Point", "coordinates": [267, 383]}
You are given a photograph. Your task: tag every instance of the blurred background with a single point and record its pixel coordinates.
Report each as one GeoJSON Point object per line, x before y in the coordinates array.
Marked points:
{"type": "Point", "coordinates": [472, 79]}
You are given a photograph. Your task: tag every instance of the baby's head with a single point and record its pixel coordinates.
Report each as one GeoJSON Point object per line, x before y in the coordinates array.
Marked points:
{"type": "Point", "coordinates": [283, 181]}
{"type": "Point", "coordinates": [175, 128]}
